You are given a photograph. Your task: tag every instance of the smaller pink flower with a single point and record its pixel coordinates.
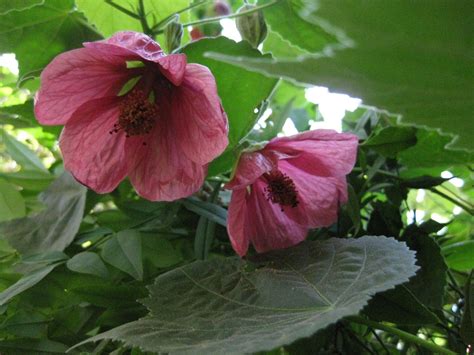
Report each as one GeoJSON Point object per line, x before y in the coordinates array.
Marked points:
{"type": "Point", "coordinates": [291, 185]}
{"type": "Point", "coordinates": [161, 134]}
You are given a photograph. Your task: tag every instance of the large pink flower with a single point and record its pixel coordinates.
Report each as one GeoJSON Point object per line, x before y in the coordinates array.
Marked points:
{"type": "Point", "coordinates": [291, 185]}
{"type": "Point", "coordinates": [161, 134]}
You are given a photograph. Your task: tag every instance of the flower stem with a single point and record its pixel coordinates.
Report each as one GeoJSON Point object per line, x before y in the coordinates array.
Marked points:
{"type": "Point", "coordinates": [160, 24]}
{"type": "Point", "coordinates": [142, 17]}
{"type": "Point", "coordinates": [468, 209]}
{"type": "Point", "coordinates": [436, 349]}
{"type": "Point", "coordinates": [218, 18]}
{"type": "Point", "coordinates": [122, 9]}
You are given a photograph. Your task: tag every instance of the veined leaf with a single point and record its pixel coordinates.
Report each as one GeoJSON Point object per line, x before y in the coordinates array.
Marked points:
{"type": "Point", "coordinates": [236, 306]}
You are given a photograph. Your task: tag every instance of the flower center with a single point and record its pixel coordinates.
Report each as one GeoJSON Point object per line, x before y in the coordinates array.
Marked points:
{"type": "Point", "coordinates": [281, 189]}
{"type": "Point", "coordinates": [137, 115]}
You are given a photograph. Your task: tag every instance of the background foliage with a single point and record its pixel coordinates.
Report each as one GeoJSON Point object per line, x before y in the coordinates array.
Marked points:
{"type": "Point", "coordinates": [73, 263]}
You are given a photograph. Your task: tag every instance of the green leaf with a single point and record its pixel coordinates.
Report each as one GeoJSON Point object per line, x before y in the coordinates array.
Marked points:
{"type": "Point", "coordinates": [35, 180]}
{"type": "Point", "coordinates": [18, 5]}
{"type": "Point", "coordinates": [88, 263]}
{"type": "Point", "coordinates": [12, 204]}
{"type": "Point", "coordinates": [20, 116]}
{"type": "Point", "coordinates": [391, 140]}
{"type": "Point", "coordinates": [109, 20]}
{"type": "Point", "coordinates": [54, 227]}
{"type": "Point", "coordinates": [430, 281]}
{"type": "Point", "coordinates": [230, 305]}
{"type": "Point", "coordinates": [305, 34]}
{"type": "Point", "coordinates": [124, 251]}
{"type": "Point", "coordinates": [48, 257]}
{"type": "Point", "coordinates": [460, 256]}
{"type": "Point", "coordinates": [26, 324]}
{"type": "Point", "coordinates": [205, 233]}
{"type": "Point", "coordinates": [353, 208]}
{"type": "Point", "coordinates": [408, 303]}
{"type": "Point", "coordinates": [211, 211]}
{"type": "Point", "coordinates": [279, 47]}
{"type": "Point", "coordinates": [399, 306]}
{"type": "Point", "coordinates": [22, 154]}
{"type": "Point", "coordinates": [31, 346]}
{"type": "Point", "coordinates": [423, 182]}
{"type": "Point", "coordinates": [399, 58]}
{"type": "Point", "coordinates": [37, 34]}
{"type": "Point", "coordinates": [241, 91]}
{"type": "Point", "coordinates": [159, 251]}
{"type": "Point", "coordinates": [108, 295]}
{"type": "Point", "coordinates": [430, 152]}
{"type": "Point", "coordinates": [25, 283]}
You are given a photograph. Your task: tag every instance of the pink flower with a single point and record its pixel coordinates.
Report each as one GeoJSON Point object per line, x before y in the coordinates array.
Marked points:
{"type": "Point", "coordinates": [161, 134]}
{"type": "Point", "coordinates": [291, 185]}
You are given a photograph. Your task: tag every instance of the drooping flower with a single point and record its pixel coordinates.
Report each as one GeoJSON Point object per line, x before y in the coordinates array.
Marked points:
{"type": "Point", "coordinates": [161, 133]}
{"type": "Point", "coordinates": [289, 186]}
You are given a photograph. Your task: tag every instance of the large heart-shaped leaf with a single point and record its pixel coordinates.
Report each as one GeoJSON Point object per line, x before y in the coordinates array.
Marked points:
{"type": "Point", "coordinates": [242, 92]}
{"type": "Point", "coordinates": [398, 55]}
{"type": "Point", "coordinates": [238, 306]}
{"type": "Point", "coordinates": [39, 33]}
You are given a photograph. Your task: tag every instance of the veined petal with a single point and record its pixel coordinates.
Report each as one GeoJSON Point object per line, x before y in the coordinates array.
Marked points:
{"type": "Point", "coordinates": [129, 45]}
{"type": "Point", "coordinates": [199, 122]}
{"type": "Point", "coordinates": [319, 197]}
{"type": "Point", "coordinates": [159, 170]}
{"type": "Point", "coordinates": [319, 152]}
{"type": "Point", "coordinates": [268, 227]}
{"type": "Point", "coordinates": [93, 155]}
{"type": "Point", "coordinates": [237, 222]}
{"type": "Point", "coordinates": [74, 78]}
{"type": "Point", "coordinates": [250, 167]}
{"type": "Point", "coordinates": [173, 67]}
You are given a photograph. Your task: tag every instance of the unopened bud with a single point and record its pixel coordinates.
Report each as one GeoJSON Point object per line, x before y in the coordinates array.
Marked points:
{"type": "Point", "coordinates": [221, 7]}
{"type": "Point", "coordinates": [173, 35]}
{"type": "Point", "coordinates": [252, 27]}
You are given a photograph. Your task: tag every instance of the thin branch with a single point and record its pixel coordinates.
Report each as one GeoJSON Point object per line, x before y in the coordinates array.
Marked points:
{"type": "Point", "coordinates": [160, 24]}
{"type": "Point", "coordinates": [142, 17]}
{"type": "Point", "coordinates": [218, 18]}
{"type": "Point", "coordinates": [122, 9]}
{"type": "Point", "coordinates": [410, 338]}
{"type": "Point", "coordinates": [468, 209]}
{"type": "Point", "coordinates": [379, 340]}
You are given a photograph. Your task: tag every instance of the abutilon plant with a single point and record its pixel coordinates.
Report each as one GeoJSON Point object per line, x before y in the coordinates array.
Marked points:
{"type": "Point", "coordinates": [162, 133]}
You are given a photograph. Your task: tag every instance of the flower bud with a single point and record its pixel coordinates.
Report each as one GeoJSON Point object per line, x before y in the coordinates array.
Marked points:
{"type": "Point", "coordinates": [252, 27]}
{"type": "Point", "coordinates": [221, 7]}
{"type": "Point", "coordinates": [173, 35]}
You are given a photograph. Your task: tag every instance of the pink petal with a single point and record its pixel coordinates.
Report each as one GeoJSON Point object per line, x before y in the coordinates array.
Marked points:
{"type": "Point", "coordinates": [159, 170]}
{"type": "Point", "coordinates": [268, 227]}
{"type": "Point", "coordinates": [251, 166]}
{"type": "Point", "coordinates": [75, 77]}
{"type": "Point", "coordinates": [319, 197]}
{"type": "Point", "coordinates": [173, 67]}
{"type": "Point", "coordinates": [237, 222]}
{"type": "Point", "coordinates": [200, 124]}
{"type": "Point", "coordinates": [129, 45]}
{"type": "Point", "coordinates": [319, 152]}
{"type": "Point", "coordinates": [93, 155]}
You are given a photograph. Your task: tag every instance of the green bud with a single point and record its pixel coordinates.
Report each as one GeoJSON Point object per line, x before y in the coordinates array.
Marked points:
{"type": "Point", "coordinates": [173, 35]}
{"type": "Point", "coordinates": [252, 27]}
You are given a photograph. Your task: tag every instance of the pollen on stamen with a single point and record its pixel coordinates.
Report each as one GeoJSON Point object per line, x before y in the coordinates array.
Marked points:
{"type": "Point", "coordinates": [281, 189]}
{"type": "Point", "coordinates": [137, 115]}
